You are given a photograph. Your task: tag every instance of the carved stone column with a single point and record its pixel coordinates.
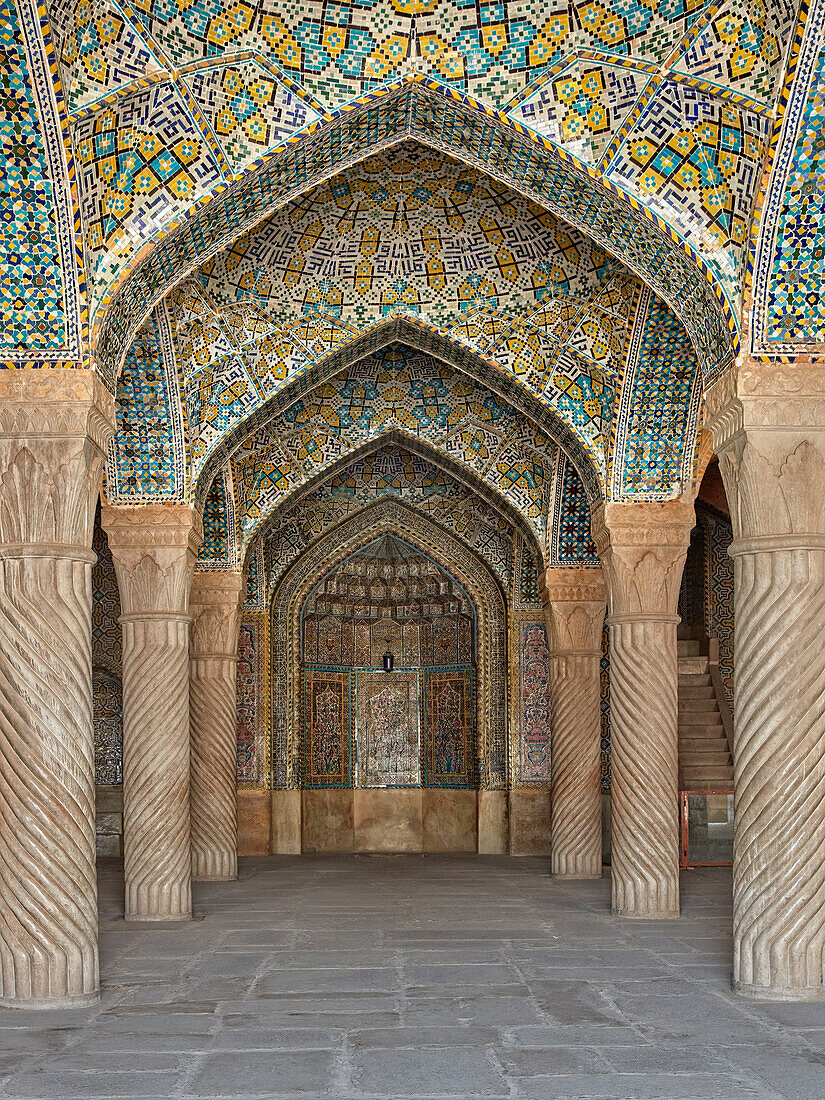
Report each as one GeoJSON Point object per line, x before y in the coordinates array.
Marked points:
{"type": "Point", "coordinates": [154, 548]}
{"type": "Point", "coordinates": [54, 426]}
{"type": "Point", "coordinates": [575, 618]}
{"type": "Point", "coordinates": [215, 607]}
{"type": "Point", "coordinates": [643, 548]}
{"type": "Point", "coordinates": [768, 424]}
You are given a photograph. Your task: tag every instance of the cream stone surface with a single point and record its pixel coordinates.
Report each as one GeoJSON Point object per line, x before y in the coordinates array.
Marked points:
{"type": "Point", "coordinates": [493, 832]}
{"type": "Point", "coordinates": [214, 605]}
{"type": "Point", "coordinates": [388, 820]}
{"type": "Point", "coordinates": [530, 822]}
{"type": "Point", "coordinates": [286, 823]}
{"type": "Point", "coordinates": [642, 548]}
{"type": "Point", "coordinates": [449, 820]}
{"type": "Point", "coordinates": [327, 821]}
{"type": "Point", "coordinates": [575, 619]}
{"type": "Point", "coordinates": [768, 425]}
{"type": "Point", "coordinates": [254, 823]}
{"type": "Point", "coordinates": [154, 548]}
{"type": "Point", "coordinates": [54, 429]}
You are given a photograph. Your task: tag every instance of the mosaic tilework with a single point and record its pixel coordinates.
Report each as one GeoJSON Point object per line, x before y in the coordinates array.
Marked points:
{"type": "Point", "coordinates": [656, 422]}
{"type": "Point", "coordinates": [389, 516]}
{"type": "Point", "coordinates": [391, 472]}
{"type": "Point", "coordinates": [414, 395]}
{"type": "Point", "coordinates": [102, 51]}
{"type": "Point", "coordinates": [717, 534]}
{"type": "Point", "coordinates": [107, 704]}
{"type": "Point", "coordinates": [219, 549]}
{"type": "Point", "coordinates": [788, 303]}
{"type": "Point", "coordinates": [327, 754]}
{"type": "Point", "coordinates": [739, 46]}
{"type": "Point", "coordinates": [415, 108]}
{"type": "Point", "coordinates": [568, 539]}
{"type": "Point", "coordinates": [582, 104]}
{"type": "Point", "coordinates": [147, 460]}
{"type": "Point", "coordinates": [248, 109]}
{"type": "Point", "coordinates": [107, 716]}
{"type": "Point", "coordinates": [342, 50]}
{"type": "Point", "coordinates": [40, 313]}
{"type": "Point", "coordinates": [533, 762]}
{"type": "Point", "coordinates": [697, 162]}
{"type": "Point", "coordinates": [141, 163]}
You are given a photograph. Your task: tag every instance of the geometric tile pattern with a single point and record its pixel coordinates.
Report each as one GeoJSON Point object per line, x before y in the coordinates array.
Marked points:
{"type": "Point", "coordinates": [395, 391]}
{"type": "Point", "coordinates": [569, 541]}
{"type": "Point", "coordinates": [390, 471]}
{"type": "Point", "coordinates": [656, 420]}
{"type": "Point", "coordinates": [40, 284]}
{"type": "Point", "coordinates": [789, 303]}
{"type": "Point", "coordinates": [697, 161]}
{"type": "Point", "coordinates": [427, 111]}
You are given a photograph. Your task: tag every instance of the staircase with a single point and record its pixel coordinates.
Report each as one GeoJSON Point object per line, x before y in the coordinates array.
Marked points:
{"type": "Point", "coordinates": [705, 762]}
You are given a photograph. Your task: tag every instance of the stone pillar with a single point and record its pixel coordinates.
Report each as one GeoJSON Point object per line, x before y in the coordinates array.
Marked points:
{"type": "Point", "coordinates": [575, 619]}
{"type": "Point", "coordinates": [643, 548]}
{"type": "Point", "coordinates": [768, 424]}
{"type": "Point", "coordinates": [154, 548]}
{"type": "Point", "coordinates": [213, 657]}
{"type": "Point", "coordinates": [54, 427]}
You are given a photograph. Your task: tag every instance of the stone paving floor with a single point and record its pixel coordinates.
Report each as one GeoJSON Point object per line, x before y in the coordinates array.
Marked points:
{"type": "Point", "coordinates": [416, 976]}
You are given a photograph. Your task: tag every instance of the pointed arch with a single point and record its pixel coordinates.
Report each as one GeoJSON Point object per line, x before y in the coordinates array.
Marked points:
{"type": "Point", "coordinates": [391, 516]}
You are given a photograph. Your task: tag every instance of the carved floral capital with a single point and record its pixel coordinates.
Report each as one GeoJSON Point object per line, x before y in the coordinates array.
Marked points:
{"type": "Point", "coordinates": [214, 605]}
{"type": "Point", "coordinates": [574, 610]}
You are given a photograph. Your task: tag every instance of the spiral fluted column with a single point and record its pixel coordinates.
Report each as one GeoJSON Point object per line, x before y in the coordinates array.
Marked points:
{"type": "Point", "coordinates": [54, 426]}
{"type": "Point", "coordinates": [215, 604]}
{"type": "Point", "coordinates": [153, 548]}
{"type": "Point", "coordinates": [575, 617]}
{"type": "Point", "coordinates": [767, 423]}
{"type": "Point", "coordinates": [643, 548]}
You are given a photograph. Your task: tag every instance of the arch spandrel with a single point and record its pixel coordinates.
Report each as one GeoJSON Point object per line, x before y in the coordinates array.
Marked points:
{"type": "Point", "coordinates": [389, 516]}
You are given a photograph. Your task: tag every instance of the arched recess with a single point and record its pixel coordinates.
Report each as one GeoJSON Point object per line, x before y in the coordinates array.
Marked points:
{"type": "Point", "coordinates": [408, 331]}
{"type": "Point", "coordinates": [390, 516]}
{"type": "Point", "coordinates": [422, 109]}
{"type": "Point", "coordinates": [495, 498]}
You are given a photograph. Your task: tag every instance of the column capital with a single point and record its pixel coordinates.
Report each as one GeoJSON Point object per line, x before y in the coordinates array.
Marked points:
{"type": "Point", "coordinates": [768, 426]}
{"type": "Point", "coordinates": [154, 548]}
{"type": "Point", "coordinates": [574, 610]}
{"type": "Point", "coordinates": [55, 426]}
{"type": "Point", "coordinates": [214, 603]}
{"type": "Point", "coordinates": [642, 547]}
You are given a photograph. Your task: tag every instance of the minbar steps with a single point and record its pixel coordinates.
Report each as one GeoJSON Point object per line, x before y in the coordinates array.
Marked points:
{"type": "Point", "coordinates": [704, 757]}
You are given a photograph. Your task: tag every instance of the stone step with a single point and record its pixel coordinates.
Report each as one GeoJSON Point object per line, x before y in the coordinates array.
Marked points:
{"type": "Point", "coordinates": [725, 786]}
{"type": "Point", "coordinates": [689, 647]}
{"type": "Point", "coordinates": [705, 759]}
{"type": "Point", "coordinates": [703, 704]}
{"type": "Point", "coordinates": [696, 692]}
{"type": "Point", "coordinates": [716, 773]}
{"type": "Point", "coordinates": [700, 719]}
{"type": "Point", "coordinates": [699, 744]}
{"type": "Point", "coordinates": [695, 680]}
{"type": "Point", "coordinates": [693, 666]}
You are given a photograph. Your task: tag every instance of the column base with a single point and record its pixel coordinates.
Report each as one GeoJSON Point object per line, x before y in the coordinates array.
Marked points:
{"type": "Point", "coordinates": [141, 918]}
{"type": "Point", "coordinates": [578, 876]}
{"type": "Point", "coordinates": [82, 1000]}
{"type": "Point", "coordinates": [649, 914]}
{"type": "Point", "coordinates": [779, 992]}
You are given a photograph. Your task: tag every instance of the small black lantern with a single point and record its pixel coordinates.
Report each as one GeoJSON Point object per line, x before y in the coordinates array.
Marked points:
{"type": "Point", "coordinates": [389, 661]}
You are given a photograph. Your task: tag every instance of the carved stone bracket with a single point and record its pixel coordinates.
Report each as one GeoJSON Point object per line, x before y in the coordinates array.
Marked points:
{"type": "Point", "coordinates": [643, 548]}
{"type": "Point", "coordinates": [154, 549]}
{"type": "Point", "coordinates": [215, 606]}
{"type": "Point", "coordinates": [575, 618]}
{"type": "Point", "coordinates": [54, 429]}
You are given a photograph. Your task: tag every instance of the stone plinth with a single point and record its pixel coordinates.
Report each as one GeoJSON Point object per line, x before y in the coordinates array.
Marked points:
{"type": "Point", "coordinates": [154, 549]}
{"type": "Point", "coordinates": [643, 548]}
{"type": "Point", "coordinates": [54, 428]}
